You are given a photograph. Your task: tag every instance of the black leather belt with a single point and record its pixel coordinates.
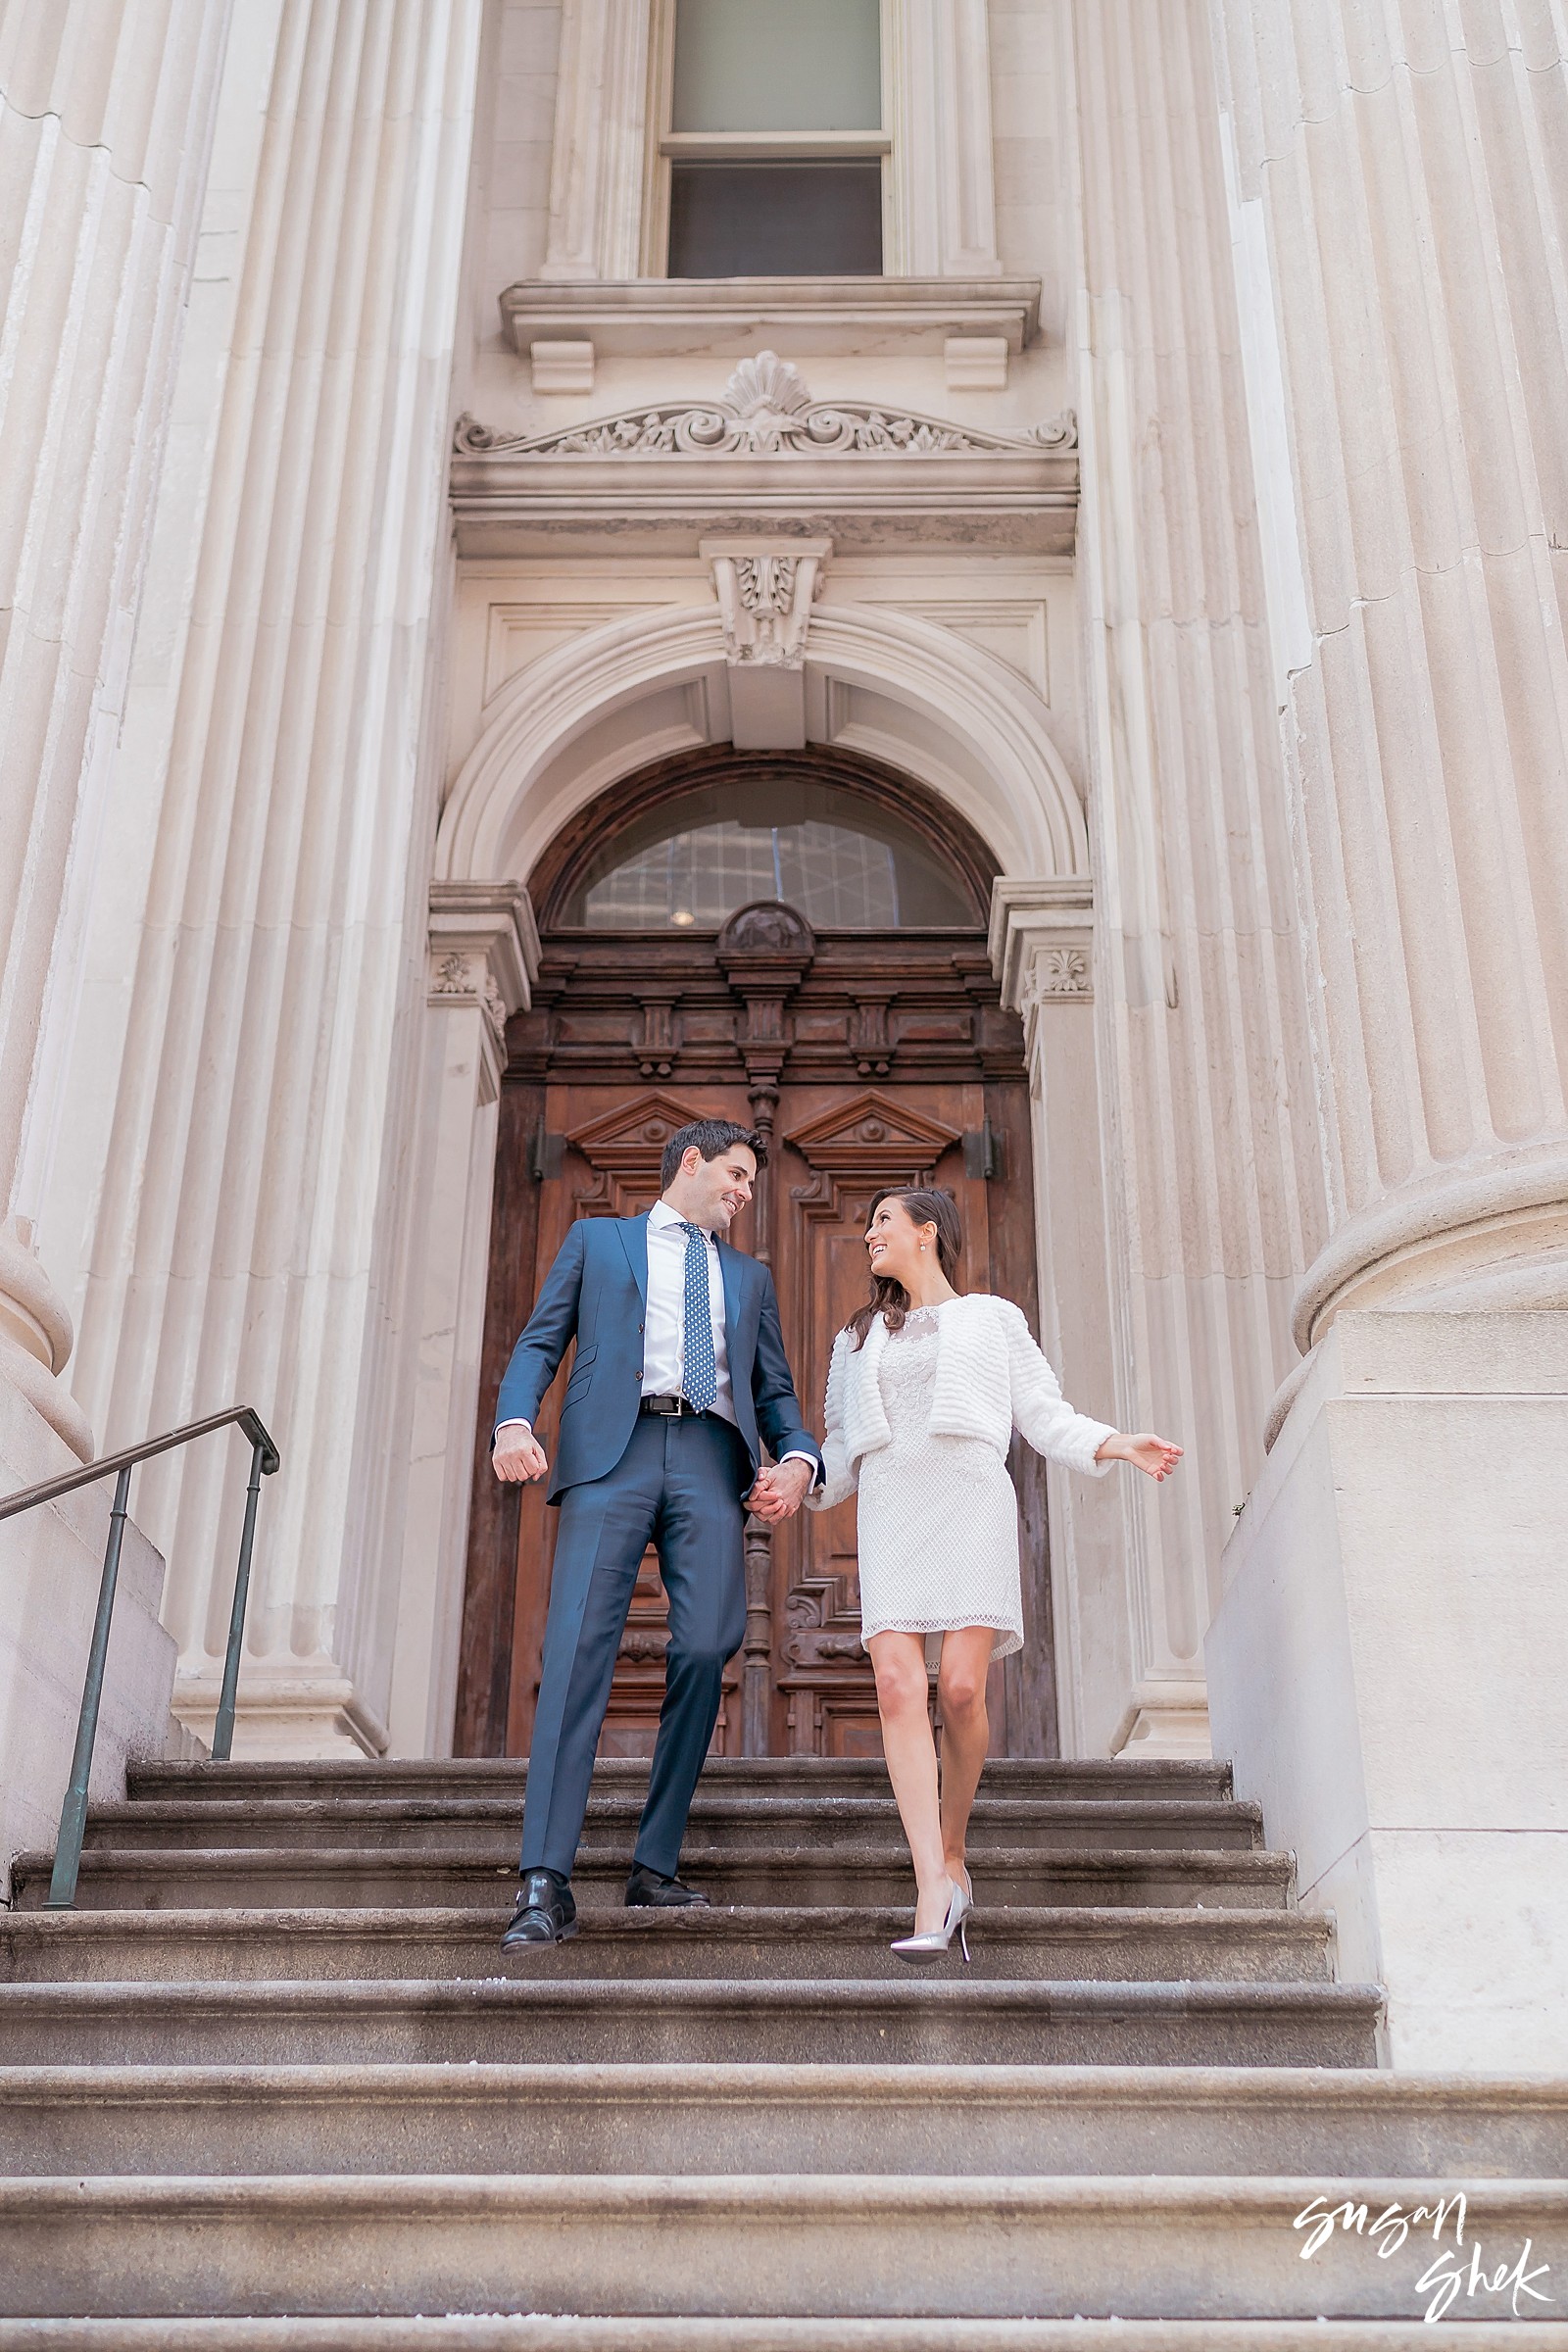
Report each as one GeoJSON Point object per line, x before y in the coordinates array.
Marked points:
{"type": "Point", "coordinates": [675, 1409]}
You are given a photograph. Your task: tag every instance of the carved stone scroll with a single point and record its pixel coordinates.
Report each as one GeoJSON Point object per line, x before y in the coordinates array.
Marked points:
{"type": "Point", "coordinates": [764, 410]}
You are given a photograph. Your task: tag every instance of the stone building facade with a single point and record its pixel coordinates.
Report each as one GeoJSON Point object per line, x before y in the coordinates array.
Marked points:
{"type": "Point", "coordinates": [1138, 491]}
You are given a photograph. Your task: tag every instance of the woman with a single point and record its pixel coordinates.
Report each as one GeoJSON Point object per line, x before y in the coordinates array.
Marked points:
{"type": "Point", "coordinates": [924, 1392]}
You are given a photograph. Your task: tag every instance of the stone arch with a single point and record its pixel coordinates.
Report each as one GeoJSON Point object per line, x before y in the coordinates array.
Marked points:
{"type": "Point", "coordinates": [982, 739]}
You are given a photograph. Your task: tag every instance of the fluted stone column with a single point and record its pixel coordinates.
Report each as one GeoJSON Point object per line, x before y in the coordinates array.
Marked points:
{"type": "Point", "coordinates": [1213, 1174]}
{"type": "Point", "coordinates": [250, 1235]}
{"type": "Point", "coordinates": [1042, 948]}
{"type": "Point", "coordinates": [483, 954]}
{"type": "Point", "coordinates": [1412, 168]}
{"type": "Point", "coordinates": [1389, 1661]}
{"type": "Point", "coordinates": [106, 118]}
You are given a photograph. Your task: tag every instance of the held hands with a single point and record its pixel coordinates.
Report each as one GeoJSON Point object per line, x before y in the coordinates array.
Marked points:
{"type": "Point", "coordinates": [518, 1456]}
{"type": "Point", "coordinates": [1156, 1456]}
{"type": "Point", "coordinates": [780, 1490]}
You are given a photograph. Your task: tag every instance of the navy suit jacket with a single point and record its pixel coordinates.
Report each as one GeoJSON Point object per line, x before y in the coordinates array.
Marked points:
{"type": "Point", "coordinates": [597, 1293]}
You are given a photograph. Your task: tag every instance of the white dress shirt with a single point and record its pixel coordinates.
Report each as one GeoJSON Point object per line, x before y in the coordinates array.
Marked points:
{"type": "Point", "coordinates": [664, 1339]}
{"type": "Point", "coordinates": [665, 1348]}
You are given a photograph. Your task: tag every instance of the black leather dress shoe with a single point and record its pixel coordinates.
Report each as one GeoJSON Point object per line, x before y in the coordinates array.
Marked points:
{"type": "Point", "coordinates": [545, 1912]}
{"type": "Point", "coordinates": [653, 1889]}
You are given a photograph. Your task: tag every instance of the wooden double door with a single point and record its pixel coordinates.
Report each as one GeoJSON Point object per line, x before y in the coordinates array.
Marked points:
{"type": "Point", "coordinates": [931, 1090]}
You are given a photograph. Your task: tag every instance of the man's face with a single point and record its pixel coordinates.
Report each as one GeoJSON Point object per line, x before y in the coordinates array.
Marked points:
{"type": "Point", "coordinates": [717, 1189]}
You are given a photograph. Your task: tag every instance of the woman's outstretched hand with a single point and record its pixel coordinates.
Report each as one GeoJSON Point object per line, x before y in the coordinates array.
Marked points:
{"type": "Point", "coordinates": [1156, 1456]}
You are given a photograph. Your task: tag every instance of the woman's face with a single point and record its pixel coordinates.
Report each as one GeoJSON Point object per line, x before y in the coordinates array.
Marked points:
{"type": "Point", "coordinates": [893, 1242]}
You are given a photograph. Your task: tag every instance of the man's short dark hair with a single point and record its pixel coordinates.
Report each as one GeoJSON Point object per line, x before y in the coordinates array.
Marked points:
{"type": "Point", "coordinates": [710, 1137]}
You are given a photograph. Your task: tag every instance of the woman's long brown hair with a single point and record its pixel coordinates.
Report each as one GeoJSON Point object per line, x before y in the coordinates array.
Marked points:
{"type": "Point", "coordinates": [889, 1299]}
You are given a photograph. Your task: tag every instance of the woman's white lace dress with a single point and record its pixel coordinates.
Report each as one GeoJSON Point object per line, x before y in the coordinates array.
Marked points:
{"type": "Point", "coordinates": [937, 1516]}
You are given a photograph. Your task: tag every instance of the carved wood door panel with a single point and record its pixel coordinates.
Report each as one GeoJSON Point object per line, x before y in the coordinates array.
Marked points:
{"type": "Point", "coordinates": [865, 1061]}
{"type": "Point", "coordinates": [603, 1159]}
{"type": "Point", "coordinates": [836, 1147]}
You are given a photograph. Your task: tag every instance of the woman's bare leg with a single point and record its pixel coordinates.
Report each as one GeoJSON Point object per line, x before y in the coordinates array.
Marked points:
{"type": "Point", "coordinates": [912, 1756]}
{"type": "Point", "coordinates": [965, 1735]}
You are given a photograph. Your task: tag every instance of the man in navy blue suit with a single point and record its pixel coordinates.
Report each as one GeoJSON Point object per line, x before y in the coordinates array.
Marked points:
{"type": "Point", "coordinates": [680, 1378]}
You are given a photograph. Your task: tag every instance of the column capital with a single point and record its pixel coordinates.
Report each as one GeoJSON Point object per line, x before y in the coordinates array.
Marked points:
{"type": "Point", "coordinates": [1041, 941]}
{"type": "Point", "coordinates": [484, 950]}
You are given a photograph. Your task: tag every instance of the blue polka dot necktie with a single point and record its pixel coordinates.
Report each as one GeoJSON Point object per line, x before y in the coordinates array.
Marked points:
{"type": "Point", "coordinates": [700, 1384]}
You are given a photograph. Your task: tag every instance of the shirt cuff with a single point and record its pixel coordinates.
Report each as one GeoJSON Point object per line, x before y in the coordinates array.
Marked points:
{"type": "Point", "coordinates": [502, 1426]}
{"type": "Point", "coordinates": [798, 1455]}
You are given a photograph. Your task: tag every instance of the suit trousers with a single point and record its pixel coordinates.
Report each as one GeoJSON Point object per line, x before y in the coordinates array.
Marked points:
{"type": "Point", "coordinates": [677, 1486]}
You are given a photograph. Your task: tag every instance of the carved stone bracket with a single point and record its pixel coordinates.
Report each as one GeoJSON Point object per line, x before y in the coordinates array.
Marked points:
{"type": "Point", "coordinates": [483, 952]}
{"type": "Point", "coordinates": [766, 587]}
{"type": "Point", "coordinates": [1041, 942]}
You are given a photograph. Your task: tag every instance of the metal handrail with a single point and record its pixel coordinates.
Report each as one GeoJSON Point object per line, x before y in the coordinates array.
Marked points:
{"type": "Point", "coordinates": [264, 1459]}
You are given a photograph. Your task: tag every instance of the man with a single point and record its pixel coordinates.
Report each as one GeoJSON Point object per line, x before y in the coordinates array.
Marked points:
{"type": "Point", "coordinates": [679, 1379]}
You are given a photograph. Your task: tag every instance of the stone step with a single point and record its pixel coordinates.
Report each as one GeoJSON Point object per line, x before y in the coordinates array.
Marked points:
{"type": "Point", "coordinates": [508, 1776]}
{"type": "Point", "coordinates": [1107, 1944]}
{"type": "Point", "coordinates": [933, 2019]}
{"type": "Point", "coordinates": [719, 1822]}
{"type": "Point", "coordinates": [536, 2334]}
{"type": "Point", "coordinates": [822, 2245]}
{"type": "Point", "coordinates": [116, 1878]}
{"type": "Point", "coordinates": [1012, 2120]}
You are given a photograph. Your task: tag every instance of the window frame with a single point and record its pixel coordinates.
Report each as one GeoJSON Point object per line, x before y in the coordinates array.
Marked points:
{"type": "Point", "coordinates": [667, 146]}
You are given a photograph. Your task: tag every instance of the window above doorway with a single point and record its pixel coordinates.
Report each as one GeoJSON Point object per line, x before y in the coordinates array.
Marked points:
{"type": "Point", "coordinates": [844, 863]}
{"type": "Point", "coordinates": [773, 139]}
{"type": "Point", "coordinates": [879, 237]}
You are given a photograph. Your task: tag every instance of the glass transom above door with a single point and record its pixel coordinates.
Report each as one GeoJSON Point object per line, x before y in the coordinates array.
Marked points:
{"type": "Point", "coordinates": [815, 847]}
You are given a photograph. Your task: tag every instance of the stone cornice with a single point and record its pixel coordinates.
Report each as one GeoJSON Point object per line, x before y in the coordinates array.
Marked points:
{"type": "Point", "coordinates": [764, 450]}
{"type": "Point", "coordinates": [729, 317]}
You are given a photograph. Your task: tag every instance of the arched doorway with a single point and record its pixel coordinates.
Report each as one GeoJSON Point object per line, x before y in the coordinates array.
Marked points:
{"type": "Point", "coordinates": [797, 940]}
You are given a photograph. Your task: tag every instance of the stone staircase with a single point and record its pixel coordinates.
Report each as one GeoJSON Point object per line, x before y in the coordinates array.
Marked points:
{"type": "Point", "coordinates": [273, 2086]}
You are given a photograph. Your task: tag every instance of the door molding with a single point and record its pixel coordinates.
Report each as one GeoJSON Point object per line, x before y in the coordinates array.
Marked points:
{"type": "Point", "coordinates": [625, 1149]}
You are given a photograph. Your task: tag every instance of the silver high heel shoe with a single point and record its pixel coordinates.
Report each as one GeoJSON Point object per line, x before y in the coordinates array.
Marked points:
{"type": "Point", "coordinates": [919, 1950]}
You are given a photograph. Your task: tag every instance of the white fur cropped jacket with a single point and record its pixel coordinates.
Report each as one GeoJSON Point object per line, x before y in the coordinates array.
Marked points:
{"type": "Point", "coordinates": [991, 1378]}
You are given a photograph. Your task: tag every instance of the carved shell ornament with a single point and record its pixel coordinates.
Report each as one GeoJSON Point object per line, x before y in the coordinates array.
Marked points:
{"type": "Point", "coordinates": [764, 409]}
{"type": "Point", "coordinates": [767, 383]}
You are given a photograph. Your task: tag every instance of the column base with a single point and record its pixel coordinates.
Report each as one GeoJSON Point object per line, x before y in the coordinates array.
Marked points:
{"type": "Point", "coordinates": [51, 1564]}
{"type": "Point", "coordinates": [36, 1338]}
{"type": "Point", "coordinates": [1164, 1720]}
{"type": "Point", "coordinates": [279, 1722]}
{"type": "Point", "coordinates": [1388, 1672]}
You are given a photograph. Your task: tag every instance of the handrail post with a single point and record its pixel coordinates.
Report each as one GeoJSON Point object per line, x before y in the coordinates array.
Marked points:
{"type": "Point", "coordinates": [74, 1818]}
{"type": "Point", "coordinates": [224, 1725]}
